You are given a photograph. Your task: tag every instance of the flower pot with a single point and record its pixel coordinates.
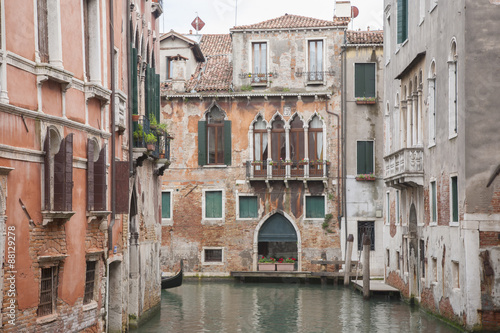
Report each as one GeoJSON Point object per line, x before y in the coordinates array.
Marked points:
{"type": "Point", "coordinates": [365, 178]}
{"type": "Point", "coordinates": [286, 266]}
{"type": "Point", "coordinates": [135, 117]}
{"type": "Point", "coordinates": [150, 146]}
{"type": "Point", "coordinates": [267, 267]}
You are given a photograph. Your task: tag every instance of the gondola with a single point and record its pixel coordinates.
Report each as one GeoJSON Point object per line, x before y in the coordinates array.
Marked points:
{"type": "Point", "coordinates": [172, 281]}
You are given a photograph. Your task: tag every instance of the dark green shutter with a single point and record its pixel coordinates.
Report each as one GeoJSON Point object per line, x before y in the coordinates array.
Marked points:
{"type": "Point", "coordinates": [369, 157]}
{"type": "Point", "coordinates": [202, 142]}
{"type": "Point", "coordinates": [369, 80]}
{"type": "Point", "coordinates": [315, 207]}
{"type": "Point", "coordinates": [454, 198]}
{"type": "Point", "coordinates": [165, 205]}
{"type": "Point", "coordinates": [248, 207]}
{"type": "Point", "coordinates": [244, 210]}
{"type": "Point", "coordinates": [359, 80]}
{"type": "Point", "coordinates": [147, 95]}
{"type": "Point", "coordinates": [365, 157]}
{"type": "Point", "coordinates": [213, 204]}
{"type": "Point", "coordinates": [402, 20]}
{"type": "Point", "coordinates": [434, 202]}
{"type": "Point", "coordinates": [227, 142]}
{"type": "Point", "coordinates": [157, 97]}
{"type": "Point", "coordinates": [133, 73]}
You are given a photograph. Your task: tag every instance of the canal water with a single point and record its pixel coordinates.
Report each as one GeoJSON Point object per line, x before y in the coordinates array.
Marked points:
{"type": "Point", "coordinates": [283, 308]}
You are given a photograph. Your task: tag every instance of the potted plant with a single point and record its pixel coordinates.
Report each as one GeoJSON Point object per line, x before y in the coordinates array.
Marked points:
{"type": "Point", "coordinates": [368, 176]}
{"type": "Point", "coordinates": [135, 117]}
{"type": "Point", "coordinates": [153, 124]}
{"type": "Point", "coordinates": [150, 139]}
{"type": "Point", "coordinates": [267, 264]}
{"type": "Point", "coordinates": [365, 100]}
{"type": "Point", "coordinates": [138, 133]}
{"type": "Point", "coordinates": [161, 129]}
{"type": "Point", "coordinates": [285, 264]}
{"type": "Point", "coordinates": [256, 162]}
{"type": "Point", "coordinates": [303, 162]}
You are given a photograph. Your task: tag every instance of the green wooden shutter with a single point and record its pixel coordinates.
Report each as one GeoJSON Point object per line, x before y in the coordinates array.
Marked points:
{"type": "Point", "coordinates": [248, 207]}
{"type": "Point", "coordinates": [434, 202]}
{"type": "Point", "coordinates": [227, 142]}
{"type": "Point", "coordinates": [213, 204]}
{"type": "Point", "coordinates": [361, 152]}
{"type": "Point", "coordinates": [157, 97]}
{"type": "Point", "coordinates": [454, 198]}
{"type": "Point", "coordinates": [146, 92]}
{"type": "Point", "coordinates": [244, 207]}
{"type": "Point", "coordinates": [133, 73]}
{"type": "Point", "coordinates": [369, 157]}
{"type": "Point", "coordinates": [165, 205]}
{"type": "Point", "coordinates": [402, 20]}
{"type": "Point", "coordinates": [315, 207]}
{"type": "Point", "coordinates": [253, 208]}
{"type": "Point", "coordinates": [90, 174]}
{"type": "Point", "coordinates": [369, 80]}
{"type": "Point", "coordinates": [202, 142]}
{"type": "Point", "coordinates": [359, 80]}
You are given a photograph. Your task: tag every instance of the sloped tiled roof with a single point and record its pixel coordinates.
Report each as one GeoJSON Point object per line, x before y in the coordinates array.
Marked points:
{"type": "Point", "coordinates": [365, 37]}
{"type": "Point", "coordinates": [216, 73]}
{"type": "Point", "coordinates": [289, 21]}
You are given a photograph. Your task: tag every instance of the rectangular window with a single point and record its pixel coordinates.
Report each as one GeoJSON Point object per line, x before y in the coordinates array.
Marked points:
{"type": "Point", "coordinates": [43, 33]}
{"type": "Point", "coordinates": [213, 204]}
{"type": "Point", "coordinates": [388, 256]}
{"type": "Point", "coordinates": [259, 62]}
{"type": "Point", "coordinates": [366, 228]}
{"type": "Point", "coordinates": [434, 270]}
{"type": "Point", "coordinates": [315, 207]}
{"type": "Point", "coordinates": [454, 199]}
{"type": "Point", "coordinates": [387, 209]}
{"type": "Point", "coordinates": [48, 291]}
{"type": "Point", "coordinates": [248, 207]}
{"type": "Point", "coordinates": [365, 157]}
{"type": "Point", "coordinates": [315, 60]}
{"type": "Point", "coordinates": [433, 198]}
{"type": "Point", "coordinates": [364, 80]}
{"type": "Point", "coordinates": [165, 205]}
{"type": "Point", "coordinates": [398, 261]}
{"type": "Point", "coordinates": [422, 258]}
{"type": "Point", "coordinates": [170, 68]}
{"type": "Point", "coordinates": [402, 21]}
{"type": "Point", "coordinates": [456, 274]}
{"type": "Point", "coordinates": [89, 282]}
{"type": "Point", "coordinates": [213, 255]}
{"type": "Point", "coordinates": [397, 208]}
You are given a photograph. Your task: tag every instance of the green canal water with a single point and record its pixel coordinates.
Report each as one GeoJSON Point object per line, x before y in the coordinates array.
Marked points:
{"type": "Point", "coordinates": [283, 308]}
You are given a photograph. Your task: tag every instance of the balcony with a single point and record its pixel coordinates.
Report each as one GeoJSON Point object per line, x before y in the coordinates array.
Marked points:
{"type": "Point", "coordinates": [286, 171]}
{"type": "Point", "coordinates": [405, 168]}
{"type": "Point", "coordinates": [143, 132]}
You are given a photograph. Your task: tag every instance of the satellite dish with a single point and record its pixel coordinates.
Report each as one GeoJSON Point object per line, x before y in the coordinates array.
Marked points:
{"type": "Point", "coordinates": [354, 11]}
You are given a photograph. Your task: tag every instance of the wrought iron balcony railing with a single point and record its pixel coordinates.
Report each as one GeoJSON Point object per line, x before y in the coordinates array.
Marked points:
{"type": "Point", "coordinates": [405, 167]}
{"type": "Point", "coordinates": [143, 130]}
{"type": "Point", "coordinates": [262, 170]}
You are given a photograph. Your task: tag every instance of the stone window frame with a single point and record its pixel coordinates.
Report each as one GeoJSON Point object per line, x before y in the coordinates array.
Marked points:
{"type": "Point", "coordinates": [94, 46]}
{"type": "Point", "coordinates": [435, 274]}
{"type": "Point", "coordinates": [354, 78]}
{"type": "Point", "coordinates": [455, 270]}
{"type": "Point", "coordinates": [54, 32]}
{"type": "Point", "coordinates": [315, 219]}
{"type": "Point", "coordinates": [168, 221]}
{"type": "Point", "coordinates": [251, 60]}
{"type": "Point", "coordinates": [238, 195]}
{"type": "Point", "coordinates": [94, 257]}
{"type": "Point", "coordinates": [398, 207]}
{"type": "Point", "coordinates": [454, 223]}
{"type": "Point", "coordinates": [431, 88]}
{"type": "Point", "coordinates": [45, 263]}
{"type": "Point", "coordinates": [433, 205]}
{"type": "Point", "coordinates": [373, 154]}
{"type": "Point", "coordinates": [213, 220]}
{"type": "Point", "coordinates": [453, 96]}
{"type": "Point", "coordinates": [388, 208]}
{"type": "Point", "coordinates": [323, 39]}
{"type": "Point", "coordinates": [214, 263]}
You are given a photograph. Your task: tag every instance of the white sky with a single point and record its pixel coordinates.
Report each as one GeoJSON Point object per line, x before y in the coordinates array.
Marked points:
{"type": "Point", "coordinates": [219, 15]}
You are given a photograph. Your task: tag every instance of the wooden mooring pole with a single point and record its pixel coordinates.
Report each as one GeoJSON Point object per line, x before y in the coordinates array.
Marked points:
{"type": "Point", "coordinates": [366, 267]}
{"type": "Point", "coordinates": [348, 256]}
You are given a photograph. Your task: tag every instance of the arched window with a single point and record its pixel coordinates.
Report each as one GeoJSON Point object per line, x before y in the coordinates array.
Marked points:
{"type": "Point", "coordinates": [260, 140]}
{"type": "Point", "coordinates": [296, 139]}
{"type": "Point", "coordinates": [432, 103]}
{"type": "Point", "coordinates": [316, 148]}
{"type": "Point", "coordinates": [215, 141]}
{"type": "Point", "coordinates": [278, 139]}
{"type": "Point", "coordinates": [453, 90]}
{"type": "Point", "coordinates": [214, 138]}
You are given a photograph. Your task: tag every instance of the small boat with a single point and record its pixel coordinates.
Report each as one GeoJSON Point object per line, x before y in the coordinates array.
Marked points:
{"type": "Point", "coordinates": [172, 281]}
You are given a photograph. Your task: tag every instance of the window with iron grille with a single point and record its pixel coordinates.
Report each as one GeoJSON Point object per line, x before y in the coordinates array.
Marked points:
{"type": "Point", "coordinates": [366, 228]}
{"type": "Point", "coordinates": [89, 282]}
{"type": "Point", "coordinates": [48, 291]}
{"type": "Point", "coordinates": [315, 60]}
{"type": "Point", "coordinates": [213, 255]}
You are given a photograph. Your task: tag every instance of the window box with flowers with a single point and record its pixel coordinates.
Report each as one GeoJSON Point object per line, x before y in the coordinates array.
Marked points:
{"type": "Point", "coordinates": [267, 264]}
{"type": "Point", "coordinates": [367, 177]}
{"type": "Point", "coordinates": [285, 264]}
{"type": "Point", "coordinates": [303, 162]}
{"type": "Point", "coordinates": [365, 100]}
{"type": "Point", "coordinates": [256, 162]}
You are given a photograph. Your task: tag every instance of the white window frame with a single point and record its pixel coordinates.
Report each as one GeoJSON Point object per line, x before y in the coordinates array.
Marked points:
{"type": "Point", "coordinates": [250, 60]}
{"type": "Point", "coordinates": [431, 204]}
{"type": "Point", "coordinates": [168, 221]}
{"type": "Point", "coordinates": [203, 205]}
{"type": "Point", "coordinates": [238, 195]}
{"type": "Point", "coordinates": [398, 207]}
{"type": "Point", "coordinates": [454, 223]}
{"type": "Point", "coordinates": [354, 79]}
{"type": "Point", "coordinates": [388, 208]}
{"type": "Point", "coordinates": [213, 263]}
{"type": "Point", "coordinates": [323, 39]}
{"type": "Point", "coordinates": [326, 208]}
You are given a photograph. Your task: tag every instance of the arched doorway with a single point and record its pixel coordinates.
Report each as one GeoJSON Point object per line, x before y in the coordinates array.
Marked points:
{"type": "Point", "coordinates": [414, 269]}
{"type": "Point", "coordinates": [277, 236]}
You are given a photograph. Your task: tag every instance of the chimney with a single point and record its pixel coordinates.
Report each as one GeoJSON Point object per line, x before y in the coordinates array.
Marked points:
{"type": "Point", "coordinates": [190, 32]}
{"type": "Point", "coordinates": [342, 8]}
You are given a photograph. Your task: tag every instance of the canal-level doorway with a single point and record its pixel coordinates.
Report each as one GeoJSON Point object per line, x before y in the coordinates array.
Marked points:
{"type": "Point", "coordinates": [277, 236]}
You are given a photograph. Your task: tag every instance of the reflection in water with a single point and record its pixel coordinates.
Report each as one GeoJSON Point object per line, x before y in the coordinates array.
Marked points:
{"type": "Point", "coordinates": [283, 308]}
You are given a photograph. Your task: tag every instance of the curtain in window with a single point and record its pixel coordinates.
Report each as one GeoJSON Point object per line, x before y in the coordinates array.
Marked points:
{"type": "Point", "coordinates": [316, 139]}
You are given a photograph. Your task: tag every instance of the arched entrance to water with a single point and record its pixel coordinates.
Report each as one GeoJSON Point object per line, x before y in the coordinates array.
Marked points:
{"type": "Point", "coordinates": [277, 236]}
{"type": "Point", "coordinates": [414, 286]}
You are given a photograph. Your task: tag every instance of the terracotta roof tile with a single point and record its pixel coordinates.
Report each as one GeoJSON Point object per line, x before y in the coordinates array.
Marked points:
{"type": "Point", "coordinates": [289, 21]}
{"type": "Point", "coordinates": [365, 37]}
{"type": "Point", "coordinates": [216, 73]}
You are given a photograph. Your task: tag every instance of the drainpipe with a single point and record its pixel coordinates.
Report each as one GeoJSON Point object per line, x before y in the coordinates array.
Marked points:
{"type": "Point", "coordinates": [113, 152]}
{"type": "Point", "coordinates": [129, 94]}
{"type": "Point", "coordinates": [344, 134]}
